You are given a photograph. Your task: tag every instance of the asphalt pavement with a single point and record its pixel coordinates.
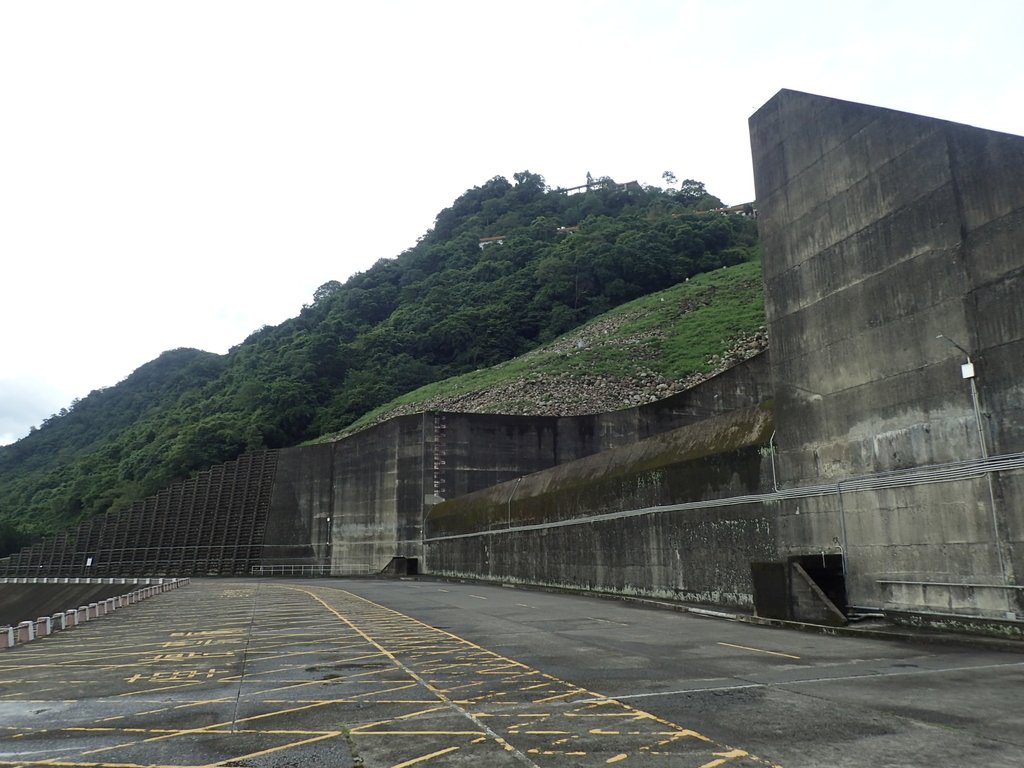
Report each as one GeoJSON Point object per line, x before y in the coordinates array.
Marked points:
{"type": "Point", "coordinates": [404, 673]}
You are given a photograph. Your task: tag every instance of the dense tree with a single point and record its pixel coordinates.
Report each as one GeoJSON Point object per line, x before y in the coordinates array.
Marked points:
{"type": "Point", "coordinates": [442, 307]}
{"type": "Point", "coordinates": [691, 192]}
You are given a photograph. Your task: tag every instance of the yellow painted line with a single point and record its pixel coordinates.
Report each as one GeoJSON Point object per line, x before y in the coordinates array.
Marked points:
{"type": "Point", "coordinates": [221, 729]}
{"type": "Point", "coordinates": [162, 688]}
{"type": "Point", "coordinates": [203, 729]}
{"type": "Point", "coordinates": [555, 698]}
{"type": "Point", "coordinates": [361, 732]}
{"type": "Point", "coordinates": [759, 650]}
{"type": "Point", "coordinates": [547, 733]}
{"type": "Point", "coordinates": [409, 715]}
{"type": "Point", "coordinates": [340, 701]}
{"type": "Point", "coordinates": [617, 758]}
{"type": "Point", "coordinates": [424, 758]}
{"type": "Point", "coordinates": [202, 702]}
{"type": "Point", "coordinates": [360, 729]}
{"type": "Point", "coordinates": [394, 660]}
{"type": "Point", "coordinates": [96, 729]}
{"type": "Point", "coordinates": [726, 757]}
{"type": "Point", "coordinates": [239, 758]}
{"type": "Point", "coordinates": [402, 621]}
{"type": "Point", "coordinates": [516, 715]}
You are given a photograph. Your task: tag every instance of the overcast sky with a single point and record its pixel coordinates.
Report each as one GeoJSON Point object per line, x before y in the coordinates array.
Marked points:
{"type": "Point", "coordinates": [178, 174]}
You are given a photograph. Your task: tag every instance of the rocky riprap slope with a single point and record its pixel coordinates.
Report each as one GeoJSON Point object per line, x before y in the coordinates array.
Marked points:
{"type": "Point", "coordinates": [579, 393]}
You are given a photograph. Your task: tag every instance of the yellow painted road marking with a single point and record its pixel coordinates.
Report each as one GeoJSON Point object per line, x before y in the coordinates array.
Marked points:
{"type": "Point", "coordinates": [555, 698]}
{"type": "Point", "coordinates": [759, 650]}
{"type": "Point", "coordinates": [361, 732]}
{"type": "Point", "coordinates": [424, 758]}
{"type": "Point", "coordinates": [240, 758]}
{"type": "Point", "coordinates": [726, 757]}
{"type": "Point", "coordinates": [398, 663]}
{"type": "Point", "coordinates": [672, 730]}
{"type": "Point", "coordinates": [422, 658]}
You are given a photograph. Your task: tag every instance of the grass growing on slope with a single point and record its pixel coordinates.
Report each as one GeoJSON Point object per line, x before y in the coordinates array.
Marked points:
{"type": "Point", "coordinates": [675, 334]}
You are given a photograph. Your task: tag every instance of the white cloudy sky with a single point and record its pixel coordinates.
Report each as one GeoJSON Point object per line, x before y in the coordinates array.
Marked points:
{"type": "Point", "coordinates": [178, 174]}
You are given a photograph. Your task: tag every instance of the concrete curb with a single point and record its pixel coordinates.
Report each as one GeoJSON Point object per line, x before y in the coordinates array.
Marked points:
{"type": "Point", "coordinates": [891, 632]}
{"type": "Point", "coordinates": [27, 631]}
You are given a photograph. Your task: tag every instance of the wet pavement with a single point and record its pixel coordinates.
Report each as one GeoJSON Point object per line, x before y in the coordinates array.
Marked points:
{"type": "Point", "coordinates": [401, 674]}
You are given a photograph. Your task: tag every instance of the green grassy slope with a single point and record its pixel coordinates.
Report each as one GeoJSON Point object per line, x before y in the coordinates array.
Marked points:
{"type": "Point", "coordinates": [647, 348]}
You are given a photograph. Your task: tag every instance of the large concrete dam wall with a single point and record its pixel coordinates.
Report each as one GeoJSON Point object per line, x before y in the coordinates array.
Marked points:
{"type": "Point", "coordinates": [880, 231]}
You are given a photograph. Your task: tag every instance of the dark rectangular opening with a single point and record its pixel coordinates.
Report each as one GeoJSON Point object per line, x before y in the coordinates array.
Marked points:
{"type": "Point", "coordinates": [827, 572]}
{"type": "Point", "coordinates": [771, 589]}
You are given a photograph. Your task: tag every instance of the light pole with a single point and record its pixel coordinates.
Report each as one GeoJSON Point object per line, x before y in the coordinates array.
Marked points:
{"type": "Point", "coordinates": [967, 372]}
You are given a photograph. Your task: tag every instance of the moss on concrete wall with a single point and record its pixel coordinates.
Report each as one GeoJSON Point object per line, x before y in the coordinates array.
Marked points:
{"type": "Point", "coordinates": [721, 456]}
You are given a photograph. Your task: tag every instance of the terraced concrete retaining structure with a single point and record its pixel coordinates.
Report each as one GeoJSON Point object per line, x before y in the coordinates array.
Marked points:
{"type": "Point", "coordinates": [210, 524]}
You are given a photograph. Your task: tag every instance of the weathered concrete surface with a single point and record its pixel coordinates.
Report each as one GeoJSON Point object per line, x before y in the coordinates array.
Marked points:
{"type": "Point", "coordinates": [354, 504]}
{"type": "Point", "coordinates": [27, 602]}
{"type": "Point", "coordinates": [881, 230]}
{"type": "Point", "coordinates": [701, 554]}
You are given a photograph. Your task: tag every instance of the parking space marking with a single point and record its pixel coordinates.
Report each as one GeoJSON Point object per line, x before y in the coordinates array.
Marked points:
{"type": "Point", "coordinates": [490, 690]}
{"type": "Point", "coordinates": [402, 691]}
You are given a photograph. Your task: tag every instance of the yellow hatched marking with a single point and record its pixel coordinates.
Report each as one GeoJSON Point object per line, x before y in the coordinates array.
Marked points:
{"type": "Point", "coordinates": [406, 669]}
{"type": "Point", "coordinates": [483, 660]}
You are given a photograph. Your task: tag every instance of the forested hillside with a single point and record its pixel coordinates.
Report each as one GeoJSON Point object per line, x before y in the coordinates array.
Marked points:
{"type": "Point", "coordinates": [446, 306]}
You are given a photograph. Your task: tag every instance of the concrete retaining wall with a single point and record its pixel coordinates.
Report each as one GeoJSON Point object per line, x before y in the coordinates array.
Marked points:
{"type": "Point", "coordinates": [518, 531]}
{"type": "Point", "coordinates": [352, 505]}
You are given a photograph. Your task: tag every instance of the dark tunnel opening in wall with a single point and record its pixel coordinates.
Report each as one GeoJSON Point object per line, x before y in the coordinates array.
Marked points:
{"type": "Point", "coordinates": [827, 572]}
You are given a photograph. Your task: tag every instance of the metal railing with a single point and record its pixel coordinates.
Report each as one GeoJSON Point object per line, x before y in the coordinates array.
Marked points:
{"type": "Point", "coordinates": [344, 569]}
